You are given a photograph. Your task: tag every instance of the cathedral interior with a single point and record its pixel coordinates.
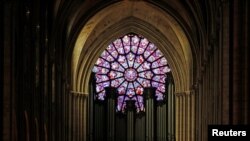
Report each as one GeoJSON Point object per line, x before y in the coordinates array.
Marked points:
{"type": "Point", "coordinates": [122, 70]}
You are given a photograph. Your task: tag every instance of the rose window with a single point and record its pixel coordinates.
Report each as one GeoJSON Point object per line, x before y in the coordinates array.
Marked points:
{"type": "Point", "coordinates": [131, 63]}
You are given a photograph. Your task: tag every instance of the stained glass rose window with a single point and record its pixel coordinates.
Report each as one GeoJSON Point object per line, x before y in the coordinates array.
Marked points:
{"type": "Point", "coordinates": [131, 63]}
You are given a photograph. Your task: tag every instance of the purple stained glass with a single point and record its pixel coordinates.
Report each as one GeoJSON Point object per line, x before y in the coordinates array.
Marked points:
{"type": "Point", "coordinates": [161, 70]}
{"type": "Point", "coordinates": [159, 95]}
{"type": "Point", "coordinates": [117, 66]}
{"type": "Point", "coordinates": [100, 86]}
{"type": "Point", "coordinates": [101, 95]}
{"type": "Point", "coordinates": [116, 82]}
{"type": "Point", "coordinates": [135, 41]}
{"type": "Point", "coordinates": [144, 43]}
{"type": "Point", "coordinates": [126, 40]}
{"type": "Point", "coordinates": [130, 74]}
{"type": "Point", "coordinates": [120, 101]}
{"type": "Point", "coordinates": [127, 49]}
{"type": "Point", "coordinates": [118, 44]}
{"type": "Point", "coordinates": [131, 63]}
{"type": "Point", "coordinates": [107, 56]}
{"type": "Point", "coordinates": [101, 78]}
{"type": "Point", "coordinates": [130, 58]}
{"type": "Point", "coordinates": [122, 89]}
{"type": "Point", "coordinates": [159, 78]}
{"type": "Point", "coordinates": [100, 70]}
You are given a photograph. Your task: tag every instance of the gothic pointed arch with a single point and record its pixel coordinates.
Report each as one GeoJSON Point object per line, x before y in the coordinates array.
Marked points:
{"type": "Point", "coordinates": [156, 25]}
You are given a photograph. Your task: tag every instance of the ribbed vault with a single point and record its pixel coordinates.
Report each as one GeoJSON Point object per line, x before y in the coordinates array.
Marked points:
{"type": "Point", "coordinates": [129, 16]}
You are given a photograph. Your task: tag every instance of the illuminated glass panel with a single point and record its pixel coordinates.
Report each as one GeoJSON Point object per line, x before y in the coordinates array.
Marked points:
{"type": "Point", "coordinates": [131, 63]}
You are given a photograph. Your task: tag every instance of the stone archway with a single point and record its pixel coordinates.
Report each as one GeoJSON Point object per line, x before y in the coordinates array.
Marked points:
{"type": "Point", "coordinates": [159, 27]}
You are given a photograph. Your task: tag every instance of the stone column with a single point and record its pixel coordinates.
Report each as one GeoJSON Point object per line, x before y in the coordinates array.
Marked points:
{"type": "Point", "coordinates": [192, 114]}
{"type": "Point", "coordinates": [185, 113]}
{"type": "Point", "coordinates": [179, 116]}
{"type": "Point", "coordinates": [78, 117]}
{"type": "Point", "coordinates": [74, 116]}
{"type": "Point", "coordinates": [84, 117]}
{"type": "Point", "coordinates": [171, 110]}
{"type": "Point", "coordinates": [110, 110]}
{"type": "Point", "coordinates": [70, 115]}
{"type": "Point", "coordinates": [130, 119]}
{"type": "Point", "coordinates": [149, 94]}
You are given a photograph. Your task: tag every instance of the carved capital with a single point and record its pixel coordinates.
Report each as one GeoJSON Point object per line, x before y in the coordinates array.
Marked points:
{"type": "Point", "coordinates": [179, 94]}
{"type": "Point", "coordinates": [185, 93]}
{"type": "Point", "coordinates": [74, 93]}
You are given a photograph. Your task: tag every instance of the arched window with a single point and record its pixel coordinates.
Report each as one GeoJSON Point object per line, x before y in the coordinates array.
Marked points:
{"type": "Point", "coordinates": [131, 63]}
